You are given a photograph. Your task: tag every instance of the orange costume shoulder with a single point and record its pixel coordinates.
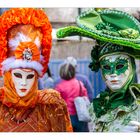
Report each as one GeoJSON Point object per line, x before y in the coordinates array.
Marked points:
{"type": "Point", "coordinates": [48, 115]}
{"type": "Point", "coordinates": [56, 110]}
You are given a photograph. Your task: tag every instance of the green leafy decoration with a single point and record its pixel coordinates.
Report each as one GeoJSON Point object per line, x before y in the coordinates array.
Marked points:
{"type": "Point", "coordinates": [94, 65]}
{"type": "Point", "coordinates": [106, 26]}
{"type": "Point", "coordinates": [129, 33]}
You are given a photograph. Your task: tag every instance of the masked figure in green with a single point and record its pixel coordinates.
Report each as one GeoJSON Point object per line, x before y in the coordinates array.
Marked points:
{"type": "Point", "coordinates": [117, 35]}
{"type": "Point", "coordinates": [115, 110]}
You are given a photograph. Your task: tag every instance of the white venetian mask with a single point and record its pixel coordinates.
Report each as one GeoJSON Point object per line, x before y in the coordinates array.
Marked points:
{"type": "Point", "coordinates": [116, 70]}
{"type": "Point", "coordinates": [23, 80]}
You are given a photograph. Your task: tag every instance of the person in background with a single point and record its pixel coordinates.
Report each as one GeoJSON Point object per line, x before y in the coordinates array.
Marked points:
{"type": "Point", "coordinates": [69, 87]}
{"type": "Point", "coordinates": [46, 81]}
{"type": "Point", "coordinates": [81, 77]}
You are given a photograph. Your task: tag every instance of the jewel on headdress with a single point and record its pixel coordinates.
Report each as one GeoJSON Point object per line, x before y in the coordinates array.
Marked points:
{"type": "Point", "coordinates": [27, 54]}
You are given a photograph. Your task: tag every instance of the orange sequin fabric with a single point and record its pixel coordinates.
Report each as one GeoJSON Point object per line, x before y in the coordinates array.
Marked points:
{"type": "Point", "coordinates": [48, 115]}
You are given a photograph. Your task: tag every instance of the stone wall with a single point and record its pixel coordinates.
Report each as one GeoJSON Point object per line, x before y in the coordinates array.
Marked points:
{"type": "Point", "coordinates": [78, 49]}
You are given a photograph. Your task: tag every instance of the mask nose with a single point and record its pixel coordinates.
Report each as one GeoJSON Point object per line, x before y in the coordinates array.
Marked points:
{"type": "Point", "coordinates": [113, 75]}
{"type": "Point", "coordinates": [112, 71]}
{"type": "Point", "coordinates": [24, 82]}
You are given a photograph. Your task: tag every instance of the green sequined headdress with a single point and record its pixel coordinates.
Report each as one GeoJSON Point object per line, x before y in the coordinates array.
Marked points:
{"type": "Point", "coordinates": [118, 28]}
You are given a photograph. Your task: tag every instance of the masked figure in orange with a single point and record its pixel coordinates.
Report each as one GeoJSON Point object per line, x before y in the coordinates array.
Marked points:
{"type": "Point", "coordinates": [25, 45]}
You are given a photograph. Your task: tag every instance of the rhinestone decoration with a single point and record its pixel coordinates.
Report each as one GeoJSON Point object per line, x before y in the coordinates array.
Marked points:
{"type": "Point", "coordinates": [27, 54]}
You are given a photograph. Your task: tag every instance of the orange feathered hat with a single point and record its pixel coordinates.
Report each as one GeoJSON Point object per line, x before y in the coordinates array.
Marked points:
{"type": "Point", "coordinates": [25, 39]}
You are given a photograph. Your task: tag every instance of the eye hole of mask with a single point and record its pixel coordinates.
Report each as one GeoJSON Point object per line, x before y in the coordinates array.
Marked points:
{"type": "Point", "coordinates": [18, 75]}
{"type": "Point", "coordinates": [30, 76]}
{"type": "Point", "coordinates": [107, 67]}
{"type": "Point", "coordinates": [119, 66]}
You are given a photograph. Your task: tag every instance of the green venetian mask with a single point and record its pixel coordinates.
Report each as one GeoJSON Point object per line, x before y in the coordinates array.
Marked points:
{"type": "Point", "coordinates": [117, 71]}
{"type": "Point", "coordinates": [119, 66]}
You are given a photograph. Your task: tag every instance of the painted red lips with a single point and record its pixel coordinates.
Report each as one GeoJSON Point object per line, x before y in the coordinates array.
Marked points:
{"type": "Point", "coordinates": [23, 90]}
{"type": "Point", "coordinates": [114, 81]}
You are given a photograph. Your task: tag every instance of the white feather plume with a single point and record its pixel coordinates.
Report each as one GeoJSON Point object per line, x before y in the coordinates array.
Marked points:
{"type": "Point", "coordinates": [20, 63]}
{"type": "Point", "coordinates": [37, 42]}
{"type": "Point", "coordinates": [14, 42]}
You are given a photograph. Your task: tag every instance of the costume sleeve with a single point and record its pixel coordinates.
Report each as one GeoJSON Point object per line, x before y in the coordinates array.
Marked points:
{"type": "Point", "coordinates": [92, 124]}
{"type": "Point", "coordinates": [56, 111]}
